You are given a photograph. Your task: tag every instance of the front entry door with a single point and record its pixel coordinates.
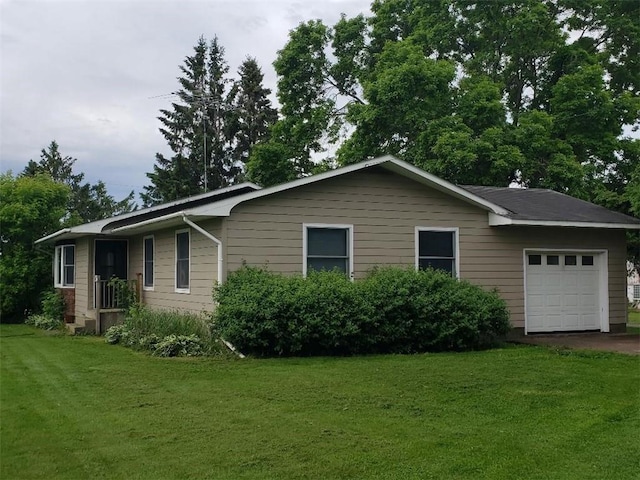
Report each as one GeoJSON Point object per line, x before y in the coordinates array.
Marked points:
{"type": "Point", "coordinates": [111, 259]}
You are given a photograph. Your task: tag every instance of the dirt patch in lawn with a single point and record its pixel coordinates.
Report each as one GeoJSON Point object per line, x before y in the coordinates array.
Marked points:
{"type": "Point", "coordinates": [628, 343]}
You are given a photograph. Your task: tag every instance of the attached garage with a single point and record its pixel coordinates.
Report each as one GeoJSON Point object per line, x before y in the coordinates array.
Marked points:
{"type": "Point", "coordinates": [566, 291]}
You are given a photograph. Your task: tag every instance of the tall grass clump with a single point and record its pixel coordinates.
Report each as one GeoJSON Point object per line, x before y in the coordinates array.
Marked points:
{"type": "Point", "coordinates": [391, 310]}
{"type": "Point", "coordinates": [165, 333]}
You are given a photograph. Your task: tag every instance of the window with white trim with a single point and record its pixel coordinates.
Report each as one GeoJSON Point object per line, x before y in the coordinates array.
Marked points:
{"type": "Point", "coordinates": [65, 266]}
{"type": "Point", "coordinates": [328, 247]}
{"type": "Point", "coordinates": [183, 260]}
{"type": "Point", "coordinates": [437, 248]}
{"type": "Point", "coordinates": [148, 255]}
{"type": "Point", "coordinates": [636, 292]}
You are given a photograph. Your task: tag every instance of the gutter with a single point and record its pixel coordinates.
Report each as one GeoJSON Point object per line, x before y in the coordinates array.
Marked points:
{"type": "Point", "coordinates": [53, 235]}
{"type": "Point", "coordinates": [499, 220]}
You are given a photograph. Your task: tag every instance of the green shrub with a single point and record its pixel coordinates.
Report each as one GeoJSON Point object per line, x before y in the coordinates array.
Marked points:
{"type": "Point", "coordinates": [52, 316]}
{"type": "Point", "coordinates": [116, 334]}
{"type": "Point", "coordinates": [391, 310]}
{"type": "Point", "coordinates": [265, 313]}
{"type": "Point", "coordinates": [179, 346]}
{"type": "Point", "coordinates": [53, 305]}
{"type": "Point", "coordinates": [44, 322]}
{"type": "Point", "coordinates": [164, 333]}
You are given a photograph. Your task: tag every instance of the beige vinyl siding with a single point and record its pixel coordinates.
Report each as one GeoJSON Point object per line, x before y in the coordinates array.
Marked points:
{"type": "Point", "coordinates": [384, 209]}
{"type": "Point", "coordinates": [203, 268]}
{"type": "Point", "coordinates": [84, 276]}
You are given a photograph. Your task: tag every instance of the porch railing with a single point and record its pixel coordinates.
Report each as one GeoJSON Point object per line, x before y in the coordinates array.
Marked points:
{"type": "Point", "coordinates": [112, 295]}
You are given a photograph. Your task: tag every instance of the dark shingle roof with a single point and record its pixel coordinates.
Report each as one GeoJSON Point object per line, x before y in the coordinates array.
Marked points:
{"type": "Point", "coordinates": [547, 205]}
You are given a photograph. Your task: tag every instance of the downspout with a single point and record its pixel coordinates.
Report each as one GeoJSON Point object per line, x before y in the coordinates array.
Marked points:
{"type": "Point", "coordinates": [210, 237]}
{"type": "Point", "coordinates": [219, 245]}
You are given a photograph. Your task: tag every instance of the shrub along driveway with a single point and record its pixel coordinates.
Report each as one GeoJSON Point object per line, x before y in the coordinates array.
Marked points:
{"type": "Point", "coordinates": [74, 407]}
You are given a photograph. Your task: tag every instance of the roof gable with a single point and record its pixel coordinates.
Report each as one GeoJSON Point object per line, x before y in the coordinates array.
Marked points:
{"type": "Point", "coordinates": [388, 162]}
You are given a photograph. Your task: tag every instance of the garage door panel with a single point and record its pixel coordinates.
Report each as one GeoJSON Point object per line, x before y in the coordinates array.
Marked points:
{"type": "Point", "coordinates": [571, 300]}
{"type": "Point", "coordinates": [563, 297]}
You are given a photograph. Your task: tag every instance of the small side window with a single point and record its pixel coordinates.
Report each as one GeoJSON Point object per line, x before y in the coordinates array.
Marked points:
{"type": "Point", "coordinates": [570, 260]}
{"type": "Point", "coordinates": [587, 260]}
{"type": "Point", "coordinates": [535, 259]}
{"type": "Point", "coordinates": [553, 260]}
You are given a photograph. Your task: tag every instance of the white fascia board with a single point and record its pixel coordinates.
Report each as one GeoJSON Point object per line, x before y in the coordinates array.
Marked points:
{"type": "Point", "coordinates": [498, 220]}
{"type": "Point", "coordinates": [53, 236]}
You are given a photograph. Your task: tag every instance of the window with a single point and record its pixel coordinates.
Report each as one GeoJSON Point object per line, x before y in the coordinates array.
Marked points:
{"type": "Point", "coordinates": [182, 261]}
{"type": "Point", "coordinates": [553, 260]}
{"type": "Point", "coordinates": [65, 261]}
{"type": "Point", "coordinates": [570, 260]}
{"type": "Point", "coordinates": [328, 247]}
{"type": "Point", "coordinates": [148, 254]}
{"type": "Point", "coordinates": [587, 260]}
{"type": "Point", "coordinates": [535, 259]}
{"type": "Point", "coordinates": [636, 292]}
{"type": "Point", "coordinates": [437, 249]}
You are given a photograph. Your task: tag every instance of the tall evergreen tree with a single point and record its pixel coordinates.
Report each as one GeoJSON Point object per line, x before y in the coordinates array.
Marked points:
{"type": "Point", "coordinates": [86, 202]}
{"type": "Point", "coordinates": [252, 112]}
{"type": "Point", "coordinates": [196, 130]}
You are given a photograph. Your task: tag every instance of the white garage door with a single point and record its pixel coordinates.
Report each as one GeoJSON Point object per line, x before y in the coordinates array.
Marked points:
{"type": "Point", "coordinates": [563, 291]}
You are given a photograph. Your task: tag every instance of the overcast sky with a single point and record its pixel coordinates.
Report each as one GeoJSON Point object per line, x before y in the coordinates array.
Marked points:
{"type": "Point", "coordinates": [85, 72]}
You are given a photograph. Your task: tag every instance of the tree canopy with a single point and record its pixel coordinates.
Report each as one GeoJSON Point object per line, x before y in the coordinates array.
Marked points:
{"type": "Point", "coordinates": [86, 202]}
{"type": "Point", "coordinates": [31, 208]}
{"type": "Point", "coordinates": [535, 93]}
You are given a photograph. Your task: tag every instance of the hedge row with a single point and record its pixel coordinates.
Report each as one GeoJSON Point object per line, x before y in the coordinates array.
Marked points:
{"type": "Point", "coordinates": [392, 310]}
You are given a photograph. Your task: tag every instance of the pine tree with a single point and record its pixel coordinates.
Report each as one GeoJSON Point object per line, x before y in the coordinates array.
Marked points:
{"type": "Point", "coordinates": [252, 113]}
{"type": "Point", "coordinates": [86, 202]}
{"type": "Point", "coordinates": [195, 129]}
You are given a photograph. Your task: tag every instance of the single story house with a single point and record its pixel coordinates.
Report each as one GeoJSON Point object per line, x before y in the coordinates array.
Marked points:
{"type": "Point", "coordinates": [559, 262]}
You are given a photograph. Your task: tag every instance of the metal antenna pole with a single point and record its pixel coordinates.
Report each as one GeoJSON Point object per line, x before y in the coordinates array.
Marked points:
{"type": "Point", "coordinates": [204, 128]}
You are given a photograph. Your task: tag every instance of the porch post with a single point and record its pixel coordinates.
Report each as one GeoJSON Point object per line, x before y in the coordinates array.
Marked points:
{"type": "Point", "coordinates": [97, 287]}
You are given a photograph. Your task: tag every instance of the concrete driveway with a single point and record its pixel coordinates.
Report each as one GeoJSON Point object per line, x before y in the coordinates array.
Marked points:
{"type": "Point", "coordinates": [628, 343]}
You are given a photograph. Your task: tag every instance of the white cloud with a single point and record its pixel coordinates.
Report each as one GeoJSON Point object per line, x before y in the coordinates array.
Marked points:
{"type": "Point", "coordinates": [85, 72]}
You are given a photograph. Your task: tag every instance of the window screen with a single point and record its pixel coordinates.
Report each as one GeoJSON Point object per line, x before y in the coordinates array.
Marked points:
{"type": "Point", "coordinates": [182, 260]}
{"type": "Point", "coordinates": [148, 261]}
{"type": "Point", "coordinates": [328, 249]}
{"type": "Point", "coordinates": [436, 249]}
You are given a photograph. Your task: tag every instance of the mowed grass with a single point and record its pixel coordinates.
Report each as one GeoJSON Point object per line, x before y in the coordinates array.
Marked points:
{"type": "Point", "coordinates": [74, 407]}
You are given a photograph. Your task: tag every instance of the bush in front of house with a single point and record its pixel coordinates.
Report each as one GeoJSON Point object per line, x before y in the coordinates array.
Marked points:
{"type": "Point", "coordinates": [52, 316]}
{"type": "Point", "coordinates": [427, 310]}
{"type": "Point", "coordinates": [392, 310]}
{"type": "Point", "coordinates": [164, 333]}
{"type": "Point", "coordinates": [264, 313]}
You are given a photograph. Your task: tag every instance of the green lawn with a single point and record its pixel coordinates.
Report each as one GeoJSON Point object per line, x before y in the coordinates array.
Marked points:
{"type": "Point", "coordinates": [634, 317]}
{"type": "Point", "coordinates": [74, 407]}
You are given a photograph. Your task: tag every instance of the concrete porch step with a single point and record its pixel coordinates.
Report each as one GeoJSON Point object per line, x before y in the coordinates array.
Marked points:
{"type": "Point", "coordinates": [88, 327]}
